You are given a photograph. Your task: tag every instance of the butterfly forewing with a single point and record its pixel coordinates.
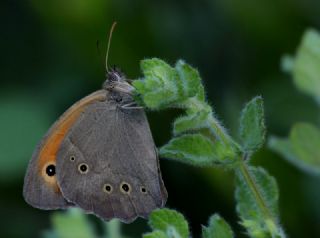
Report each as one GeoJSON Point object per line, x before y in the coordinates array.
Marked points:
{"type": "Point", "coordinates": [40, 184]}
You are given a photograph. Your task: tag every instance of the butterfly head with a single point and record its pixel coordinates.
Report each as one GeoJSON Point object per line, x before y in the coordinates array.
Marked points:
{"type": "Point", "coordinates": [116, 81]}
{"type": "Point", "coordinates": [115, 75]}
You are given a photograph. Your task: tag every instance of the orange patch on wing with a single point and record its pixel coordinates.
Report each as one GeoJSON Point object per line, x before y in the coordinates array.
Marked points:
{"type": "Point", "coordinates": [52, 143]}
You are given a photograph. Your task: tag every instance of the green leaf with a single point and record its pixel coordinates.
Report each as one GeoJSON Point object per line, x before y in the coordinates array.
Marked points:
{"type": "Point", "coordinates": [160, 85]}
{"type": "Point", "coordinates": [72, 223]}
{"type": "Point", "coordinates": [305, 141]}
{"type": "Point", "coordinates": [306, 68]}
{"type": "Point", "coordinates": [254, 229]}
{"type": "Point", "coordinates": [198, 150]}
{"type": "Point", "coordinates": [165, 86]}
{"type": "Point", "coordinates": [302, 147]}
{"type": "Point", "coordinates": [217, 228]}
{"type": "Point", "coordinates": [284, 147]}
{"type": "Point", "coordinates": [190, 79]}
{"type": "Point", "coordinates": [170, 222]}
{"type": "Point", "coordinates": [252, 126]}
{"type": "Point", "coordinates": [257, 202]}
{"type": "Point", "coordinates": [194, 121]}
{"type": "Point", "coordinates": [201, 96]}
{"type": "Point", "coordinates": [155, 234]}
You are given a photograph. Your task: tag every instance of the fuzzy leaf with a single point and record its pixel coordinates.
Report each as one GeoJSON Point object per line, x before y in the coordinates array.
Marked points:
{"type": "Point", "coordinates": [201, 94]}
{"type": "Point", "coordinates": [155, 234]}
{"type": "Point", "coordinates": [252, 127]}
{"type": "Point", "coordinates": [257, 204]}
{"type": "Point", "coordinates": [165, 86]}
{"type": "Point", "coordinates": [217, 228]}
{"type": "Point", "coordinates": [160, 85]}
{"type": "Point", "coordinates": [198, 150]}
{"type": "Point", "coordinates": [254, 229]}
{"type": "Point", "coordinates": [170, 222]}
{"type": "Point", "coordinates": [73, 223]}
{"type": "Point", "coordinates": [190, 79]}
{"type": "Point", "coordinates": [194, 121]}
{"type": "Point", "coordinates": [306, 68]}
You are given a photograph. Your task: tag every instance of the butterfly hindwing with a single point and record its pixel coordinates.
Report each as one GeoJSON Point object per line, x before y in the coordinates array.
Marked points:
{"type": "Point", "coordinates": [108, 165]}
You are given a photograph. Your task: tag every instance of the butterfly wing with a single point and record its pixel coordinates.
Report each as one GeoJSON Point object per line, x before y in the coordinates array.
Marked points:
{"type": "Point", "coordinates": [108, 164]}
{"type": "Point", "coordinates": [39, 189]}
{"type": "Point", "coordinates": [40, 185]}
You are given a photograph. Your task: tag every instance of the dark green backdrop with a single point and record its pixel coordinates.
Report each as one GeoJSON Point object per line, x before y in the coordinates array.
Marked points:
{"type": "Point", "coordinates": [49, 59]}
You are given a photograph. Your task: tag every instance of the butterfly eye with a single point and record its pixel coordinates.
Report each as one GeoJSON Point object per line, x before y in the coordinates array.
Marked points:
{"type": "Point", "coordinates": [51, 170]}
{"type": "Point", "coordinates": [143, 190]}
{"type": "Point", "coordinates": [107, 188]}
{"type": "Point", "coordinates": [125, 187]}
{"type": "Point", "coordinates": [83, 168]}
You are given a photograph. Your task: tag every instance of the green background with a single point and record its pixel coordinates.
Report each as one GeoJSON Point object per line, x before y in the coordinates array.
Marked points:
{"type": "Point", "coordinates": [49, 60]}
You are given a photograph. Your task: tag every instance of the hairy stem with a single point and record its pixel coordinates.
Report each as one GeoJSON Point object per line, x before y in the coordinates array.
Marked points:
{"type": "Point", "coordinates": [244, 170]}
{"type": "Point", "coordinates": [221, 134]}
{"type": "Point", "coordinates": [218, 131]}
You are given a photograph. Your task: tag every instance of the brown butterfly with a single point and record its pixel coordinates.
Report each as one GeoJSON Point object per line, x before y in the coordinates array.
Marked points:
{"type": "Point", "coordinates": [99, 156]}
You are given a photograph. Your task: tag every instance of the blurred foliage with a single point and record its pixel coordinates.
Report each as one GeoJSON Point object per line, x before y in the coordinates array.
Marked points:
{"type": "Point", "coordinates": [165, 223]}
{"type": "Point", "coordinates": [305, 66]}
{"type": "Point", "coordinates": [302, 146]}
{"type": "Point", "coordinates": [50, 60]}
{"type": "Point", "coordinates": [74, 223]}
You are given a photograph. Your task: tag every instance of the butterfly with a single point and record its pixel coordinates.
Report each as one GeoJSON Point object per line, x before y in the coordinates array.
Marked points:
{"type": "Point", "coordinates": [99, 156]}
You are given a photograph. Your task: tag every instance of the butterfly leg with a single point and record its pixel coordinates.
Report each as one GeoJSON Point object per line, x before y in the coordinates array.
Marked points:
{"type": "Point", "coordinates": [131, 105]}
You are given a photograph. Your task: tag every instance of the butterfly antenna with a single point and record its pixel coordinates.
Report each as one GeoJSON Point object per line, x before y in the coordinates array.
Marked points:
{"type": "Point", "coordinates": [109, 42]}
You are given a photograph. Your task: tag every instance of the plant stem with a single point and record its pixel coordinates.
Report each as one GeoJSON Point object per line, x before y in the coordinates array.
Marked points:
{"type": "Point", "coordinates": [221, 134]}
{"type": "Point", "coordinates": [217, 130]}
{"type": "Point", "coordinates": [243, 168]}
